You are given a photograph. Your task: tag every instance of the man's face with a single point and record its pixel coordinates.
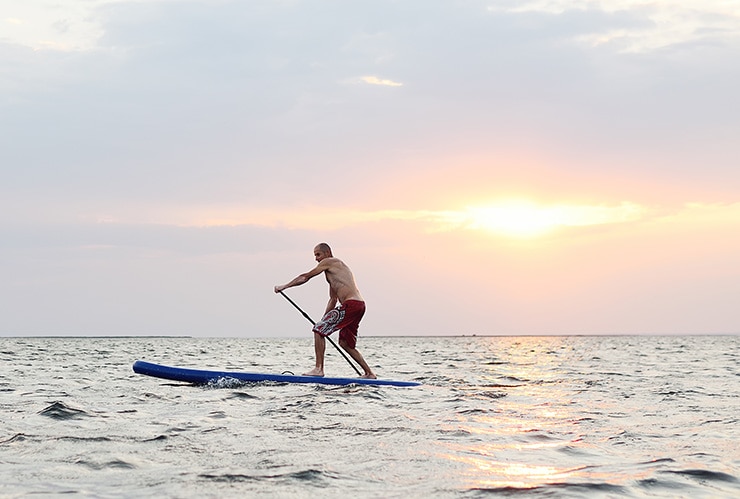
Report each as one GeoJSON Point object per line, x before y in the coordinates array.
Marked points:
{"type": "Point", "coordinates": [320, 255]}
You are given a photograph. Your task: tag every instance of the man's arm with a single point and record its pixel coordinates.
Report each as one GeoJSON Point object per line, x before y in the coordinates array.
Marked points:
{"type": "Point", "coordinates": [303, 278]}
{"type": "Point", "coordinates": [332, 300]}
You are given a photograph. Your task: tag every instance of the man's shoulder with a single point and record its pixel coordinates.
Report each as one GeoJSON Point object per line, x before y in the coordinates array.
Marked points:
{"type": "Point", "coordinates": [328, 262]}
{"type": "Point", "coordinates": [334, 264]}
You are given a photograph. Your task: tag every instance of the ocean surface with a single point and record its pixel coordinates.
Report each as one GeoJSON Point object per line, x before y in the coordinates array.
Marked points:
{"type": "Point", "coordinates": [630, 416]}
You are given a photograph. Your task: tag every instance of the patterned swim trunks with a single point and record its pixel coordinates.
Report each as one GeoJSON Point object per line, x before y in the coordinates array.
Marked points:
{"type": "Point", "coordinates": [345, 318]}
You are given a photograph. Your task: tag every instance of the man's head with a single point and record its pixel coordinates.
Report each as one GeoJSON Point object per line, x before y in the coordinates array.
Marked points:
{"type": "Point", "coordinates": [321, 251]}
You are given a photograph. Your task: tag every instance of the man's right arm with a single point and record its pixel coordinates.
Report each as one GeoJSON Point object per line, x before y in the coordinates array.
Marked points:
{"type": "Point", "coordinates": [303, 278]}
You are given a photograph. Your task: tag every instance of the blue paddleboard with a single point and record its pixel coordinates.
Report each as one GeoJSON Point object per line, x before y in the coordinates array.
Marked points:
{"type": "Point", "coordinates": [202, 377]}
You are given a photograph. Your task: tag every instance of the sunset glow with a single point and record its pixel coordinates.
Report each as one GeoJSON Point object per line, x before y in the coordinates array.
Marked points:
{"type": "Point", "coordinates": [582, 181]}
{"type": "Point", "coordinates": [524, 219]}
{"type": "Point", "coordinates": [519, 219]}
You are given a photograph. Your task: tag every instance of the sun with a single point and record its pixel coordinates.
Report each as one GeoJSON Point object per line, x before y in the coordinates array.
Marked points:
{"type": "Point", "coordinates": [514, 218]}
{"type": "Point", "coordinates": [525, 219]}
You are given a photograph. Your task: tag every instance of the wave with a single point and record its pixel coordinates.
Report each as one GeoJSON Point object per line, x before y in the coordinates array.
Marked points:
{"type": "Point", "coordinates": [567, 489]}
{"type": "Point", "coordinates": [241, 396]}
{"type": "Point", "coordinates": [18, 437]}
{"type": "Point", "coordinates": [61, 411]}
{"type": "Point", "coordinates": [113, 464]}
{"type": "Point", "coordinates": [705, 475]}
{"type": "Point", "coordinates": [308, 475]}
{"type": "Point", "coordinates": [85, 439]}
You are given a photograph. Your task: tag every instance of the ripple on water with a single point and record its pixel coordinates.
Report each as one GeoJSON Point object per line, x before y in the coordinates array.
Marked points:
{"type": "Point", "coordinates": [585, 490]}
{"type": "Point", "coordinates": [61, 411]}
{"type": "Point", "coordinates": [700, 474]}
{"type": "Point", "coordinates": [307, 475]}
{"type": "Point", "coordinates": [497, 417]}
{"type": "Point", "coordinates": [112, 464]}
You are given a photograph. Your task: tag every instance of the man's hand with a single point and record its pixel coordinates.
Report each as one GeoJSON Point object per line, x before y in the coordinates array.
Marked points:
{"type": "Point", "coordinates": [279, 288]}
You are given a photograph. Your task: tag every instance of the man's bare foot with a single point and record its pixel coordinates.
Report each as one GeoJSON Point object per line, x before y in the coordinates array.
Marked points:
{"type": "Point", "coordinates": [369, 376]}
{"type": "Point", "coordinates": [315, 372]}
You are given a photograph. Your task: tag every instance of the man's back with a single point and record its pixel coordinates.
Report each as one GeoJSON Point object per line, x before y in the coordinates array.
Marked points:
{"type": "Point", "coordinates": [341, 280]}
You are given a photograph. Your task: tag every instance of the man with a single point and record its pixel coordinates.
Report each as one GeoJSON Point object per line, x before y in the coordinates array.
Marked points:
{"type": "Point", "coordinates": [345, 318]}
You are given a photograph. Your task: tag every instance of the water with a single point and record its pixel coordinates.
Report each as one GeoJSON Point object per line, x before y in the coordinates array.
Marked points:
{"type": "Point", "coordinates": [496, 417]}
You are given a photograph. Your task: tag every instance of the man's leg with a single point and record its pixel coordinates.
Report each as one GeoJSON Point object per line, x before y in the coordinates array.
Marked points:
{"type": "Point", "coordinates": [319, 346]}
{"type": "Point", "coordinates": [355, 354]}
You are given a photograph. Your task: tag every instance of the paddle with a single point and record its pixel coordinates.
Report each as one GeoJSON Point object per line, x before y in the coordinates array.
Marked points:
{"type": "Point", "coordinates": [328, 338]}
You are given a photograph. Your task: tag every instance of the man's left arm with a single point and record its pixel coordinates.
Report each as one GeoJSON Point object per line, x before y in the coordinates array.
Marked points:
{"type": "Point", "coordinates": [332, 301]}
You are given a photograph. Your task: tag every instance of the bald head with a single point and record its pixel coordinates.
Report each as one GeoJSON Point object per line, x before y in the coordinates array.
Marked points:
{"type": "Point", "coordinates": [323, 247]}
{"type": "Point", "coordinates": [321, 251]}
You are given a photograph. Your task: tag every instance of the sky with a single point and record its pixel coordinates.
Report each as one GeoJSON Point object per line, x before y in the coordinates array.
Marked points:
{"type": "Point", "coordinates": [499, 167]}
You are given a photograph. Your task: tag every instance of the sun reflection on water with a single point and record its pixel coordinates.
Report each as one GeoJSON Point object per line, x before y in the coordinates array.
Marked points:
{"type": "Point", "coordinates": [520, 438]}
{"type": "Point", "coordinates": [483, 473]}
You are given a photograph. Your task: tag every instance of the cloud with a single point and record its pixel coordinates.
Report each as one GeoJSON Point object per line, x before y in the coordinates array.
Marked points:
{"type": "Point", "coordinates": [374, 80]}
{"type": "Point", "coordinates": [663, 24]}
{"type": "Point", "coordinates": [72, 27]}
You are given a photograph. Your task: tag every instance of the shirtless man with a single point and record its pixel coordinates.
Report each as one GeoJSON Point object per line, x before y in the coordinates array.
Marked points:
{"type": "Point", "coordinates": [345, 318]}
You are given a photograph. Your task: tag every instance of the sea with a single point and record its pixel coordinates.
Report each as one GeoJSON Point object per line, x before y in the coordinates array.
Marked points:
{"type": "Point", "coordinates": [560, 416]}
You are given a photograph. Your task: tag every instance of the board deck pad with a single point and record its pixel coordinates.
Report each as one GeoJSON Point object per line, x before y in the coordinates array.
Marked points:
{"type": "Point", "coordinates": [203, 377]}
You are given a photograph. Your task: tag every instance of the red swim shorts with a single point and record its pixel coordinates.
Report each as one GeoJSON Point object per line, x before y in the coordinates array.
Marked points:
{"type": "Point", "coordinates": [345, 318]}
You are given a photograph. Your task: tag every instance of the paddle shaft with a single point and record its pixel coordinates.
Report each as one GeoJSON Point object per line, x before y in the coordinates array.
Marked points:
{"type": "Point", "coordinates": [328, 338]}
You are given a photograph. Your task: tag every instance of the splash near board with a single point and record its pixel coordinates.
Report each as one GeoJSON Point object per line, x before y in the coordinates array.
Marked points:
{"type": "Point", "coordinates": [203, 377]}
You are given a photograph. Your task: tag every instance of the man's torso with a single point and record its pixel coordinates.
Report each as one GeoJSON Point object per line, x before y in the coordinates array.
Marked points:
{"type": "Point", "coordinates": [341, 281]}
